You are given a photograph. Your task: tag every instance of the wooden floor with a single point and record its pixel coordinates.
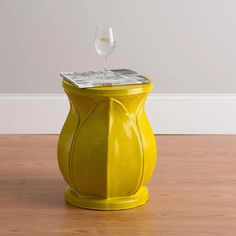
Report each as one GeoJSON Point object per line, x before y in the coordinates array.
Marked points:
{"type": "Point", "coordinates": [193, 191]}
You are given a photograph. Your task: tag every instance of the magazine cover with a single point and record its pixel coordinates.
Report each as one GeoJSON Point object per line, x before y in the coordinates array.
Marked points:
{"type": "Point", "coordinates": [116, 77]}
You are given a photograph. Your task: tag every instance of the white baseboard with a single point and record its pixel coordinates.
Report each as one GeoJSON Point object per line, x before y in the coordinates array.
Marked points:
{"type": "Point", "coordinates": [168, 113]}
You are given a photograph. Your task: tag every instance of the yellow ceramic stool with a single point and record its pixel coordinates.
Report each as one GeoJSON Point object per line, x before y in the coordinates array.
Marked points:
{"type": "Point", "coordinates": [106, 149]}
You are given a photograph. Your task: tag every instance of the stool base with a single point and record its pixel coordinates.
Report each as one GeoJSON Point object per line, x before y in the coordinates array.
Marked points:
{"type": "Point", "coordinates": [119, 203]}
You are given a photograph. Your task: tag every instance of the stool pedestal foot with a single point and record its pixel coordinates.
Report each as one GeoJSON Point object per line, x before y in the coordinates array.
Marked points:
{"type": "Point", "coordinates": [118, 203]}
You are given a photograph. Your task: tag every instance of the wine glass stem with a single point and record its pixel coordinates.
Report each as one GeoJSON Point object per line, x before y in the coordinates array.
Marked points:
{"type": "Point", "coordinates": [104, 65]}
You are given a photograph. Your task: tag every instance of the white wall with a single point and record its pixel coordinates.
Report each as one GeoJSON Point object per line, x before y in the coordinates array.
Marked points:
{"type": "Point", "coordinates": [186, 46]}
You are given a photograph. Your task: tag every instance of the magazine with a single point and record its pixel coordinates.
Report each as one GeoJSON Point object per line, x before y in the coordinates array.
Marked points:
{"type": "Point", "coordinates": [116, 77]}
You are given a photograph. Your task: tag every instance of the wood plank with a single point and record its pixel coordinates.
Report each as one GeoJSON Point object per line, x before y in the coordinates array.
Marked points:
{"type": "Point", "coordinates": [192, 192]}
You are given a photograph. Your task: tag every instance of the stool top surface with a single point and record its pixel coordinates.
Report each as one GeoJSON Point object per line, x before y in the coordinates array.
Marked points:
{"type": "Point", "coordinates": [109, 90]}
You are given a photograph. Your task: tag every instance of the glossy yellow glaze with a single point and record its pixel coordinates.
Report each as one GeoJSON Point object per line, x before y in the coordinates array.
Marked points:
{"type": "Point", "coordinates": [106, 149]}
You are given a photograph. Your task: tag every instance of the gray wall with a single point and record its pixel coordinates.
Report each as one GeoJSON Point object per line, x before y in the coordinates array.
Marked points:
{"type": "Point", "coordinates": [185, 46]}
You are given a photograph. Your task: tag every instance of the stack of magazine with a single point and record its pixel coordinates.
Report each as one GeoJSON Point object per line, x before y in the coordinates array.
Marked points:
{"type": "Point", "coordinates": [92, 79]}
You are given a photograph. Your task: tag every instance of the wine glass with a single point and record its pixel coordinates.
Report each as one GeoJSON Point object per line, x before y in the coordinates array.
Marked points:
{"type": "Point", "coordinates": [104, 42]}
